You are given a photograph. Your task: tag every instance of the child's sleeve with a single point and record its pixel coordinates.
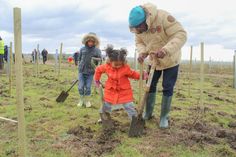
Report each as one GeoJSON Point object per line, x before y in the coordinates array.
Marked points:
{"type": "Point", "coordinates": [133, 74]}
{"type": "Point", "coordinates": [99, 53]}
{"type": "Point", "coordinates": [99, 71]}
{"type": "Point", "coordinates": [79, 55]}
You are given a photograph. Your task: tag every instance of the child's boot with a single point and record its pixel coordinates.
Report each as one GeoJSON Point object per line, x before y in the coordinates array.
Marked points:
{"type": "Point", "coordinates": [81, 101]}
{"type": "Point", "coordinates": [87, 102]}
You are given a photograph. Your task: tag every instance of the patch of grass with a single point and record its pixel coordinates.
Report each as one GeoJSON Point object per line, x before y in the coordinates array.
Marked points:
{"type": "Point", "coordinates": [48, 121]}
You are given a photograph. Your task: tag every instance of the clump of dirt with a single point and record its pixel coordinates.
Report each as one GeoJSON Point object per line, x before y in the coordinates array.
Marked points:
{"type": "Point", "coordinates": [11, 152]}
{"type": "Point", "coordinates": [219, 98]}
{"type": "Point", "coordinates": [106, 142]}
{"type": "Point", "coordinates": [81, 131]}
{"type": "Point", "coordinates": [233, 116]}
{"type": "Point", "coordinates": [232, 125]}
{"type": "Point", "coordinates": [216, 85]}
{"type": "Point", "coordinates": [222, 113]}
{"type": "Point", "coordinates": [43, 99]}
{"type": "Point", "coordinates": [199, 138]}
{"type": "Point", "coordinates": [83, 141]}
{"type": "Point", "coordinates": [49, 78]}
{"type": "Point", "coordinates": [176, 108]}
{"type": "Point", "coordinates": [4, 93]}
{"type": "Point", "coordinates": [230, 137]}
{"type": "Point", "coordinates": [225, 152]}
{"type": "Point", "coordinates": [198, 132]}
{"type": "Point", "coordinates": [201, 127]}
{"type": "Point", "coordinates": [179, 95]}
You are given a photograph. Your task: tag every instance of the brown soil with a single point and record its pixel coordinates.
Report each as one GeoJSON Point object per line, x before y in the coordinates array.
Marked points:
{"type": "Point", "coordinates": [83, 141]}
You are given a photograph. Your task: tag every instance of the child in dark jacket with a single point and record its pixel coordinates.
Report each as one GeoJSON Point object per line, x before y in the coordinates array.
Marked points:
{"type": "Point", "coordinates": [86, 69]}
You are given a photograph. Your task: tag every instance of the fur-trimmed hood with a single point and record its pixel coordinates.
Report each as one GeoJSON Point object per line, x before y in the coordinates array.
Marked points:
{"type": "Point", "coordinates": [92, 36]}
{"type": "Point", "coordinates": [151, 13]}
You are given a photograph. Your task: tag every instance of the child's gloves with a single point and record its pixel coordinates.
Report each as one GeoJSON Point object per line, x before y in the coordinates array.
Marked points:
{"type": "Point", "coordinates": [97, 83]}
{"type": "Point", "coordinates": [145, 75]}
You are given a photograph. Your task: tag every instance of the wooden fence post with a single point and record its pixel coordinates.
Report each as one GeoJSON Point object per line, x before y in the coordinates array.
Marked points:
{"type": "Point", "coordinates": [235, 69]}
{"type": "Point", "coordinates": [56, 61]}
{"type": "Point", "coordinates": [10, 68]}
{"type": "Point", "coordinates": [60, 58]}
{"type": "Point", "coordinates": [135, 59]}
{"type": "Point", "coordinates": [19, 82]}
{"type": "Point", "coordinates": [202, 74]}
{"type": "Point", "coordinates": [37, 62]}
{"type": "Point", "coordinates": [190, 69]}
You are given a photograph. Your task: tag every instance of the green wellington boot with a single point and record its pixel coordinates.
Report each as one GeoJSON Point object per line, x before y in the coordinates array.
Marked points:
{"type": "Point", "coordinates": [165, 109]}
{"type": "Point", "coordinates": [151, 99]}
{"type": "Point", "coordinates": [81, 101]}
{"type": "Point", "coordinates": [87, 102]}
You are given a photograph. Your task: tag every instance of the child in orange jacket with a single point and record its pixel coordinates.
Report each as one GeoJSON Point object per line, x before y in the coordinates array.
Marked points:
{"type": "Point", "coordinates": [118, 90]}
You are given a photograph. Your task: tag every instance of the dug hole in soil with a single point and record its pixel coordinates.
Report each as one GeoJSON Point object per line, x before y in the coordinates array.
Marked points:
{"type": "Point", "coordinates": [83, 141]}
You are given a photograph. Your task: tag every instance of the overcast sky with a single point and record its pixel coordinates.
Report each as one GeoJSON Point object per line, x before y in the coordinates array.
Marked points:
{"type": "Point", "coordinates": [50, 22]}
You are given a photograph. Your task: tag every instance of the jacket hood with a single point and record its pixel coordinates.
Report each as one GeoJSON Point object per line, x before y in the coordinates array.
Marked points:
{"type": "Point", "coordinates": [151, 13]}
{"type": "Point", "coordinates": [91, 36]}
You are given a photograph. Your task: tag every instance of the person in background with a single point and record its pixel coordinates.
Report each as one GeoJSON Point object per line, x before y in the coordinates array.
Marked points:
{"type": "Point", "coordinates": [75, 56]}
{"type": "Point", "coordinates": [44, 55]}
{"type": "Point", "coordinates": [34, 55]}
{"type": "Point", "coordinates": [5, 53]}
{"type": "Point", "coordinates": [86, 70]}
{"type": "Point", "coordinates": [70, 60]}
{"type": "Point", "coordinates": [1, 54]}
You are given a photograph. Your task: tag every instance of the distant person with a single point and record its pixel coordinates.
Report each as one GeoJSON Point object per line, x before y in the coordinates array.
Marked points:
{"type": "Point", "coordinates": [6, 53]}
{"type": "Point", "coordinates": [70, 60]}
{"type": "Point", "coordinates": [1, 54]}
{"type": "Point", "coordinates": [86, 71]}
{"type": "Point", "coordinates": [34, 55]}
{"type": "Point", "coordinates": [159, 35]}
{"type": "Point", "coordinates": [75, 56]}
{"type": "Point", "coordinates": [44, 55]}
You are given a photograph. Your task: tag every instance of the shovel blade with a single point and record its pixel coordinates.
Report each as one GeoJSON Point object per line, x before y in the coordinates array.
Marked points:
{"type": "Point", "coordinates": [107, 122]}
{"type": "Point", "coordinates": [136, 126]}
{"type": "Point", "coordinates": [62, 97]}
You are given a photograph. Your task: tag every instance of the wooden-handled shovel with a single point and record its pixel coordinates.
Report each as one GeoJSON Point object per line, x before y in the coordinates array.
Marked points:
{"type": "Point", "coordinates": [138, 123]}
{"type": "Point", "coordinates": [107, 122]}
{"type": "Point", "coordinates": [62, 97]}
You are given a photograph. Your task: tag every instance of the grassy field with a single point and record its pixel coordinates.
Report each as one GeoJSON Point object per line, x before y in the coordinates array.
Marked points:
{"type": "Point", "coordinates": [64, 130]}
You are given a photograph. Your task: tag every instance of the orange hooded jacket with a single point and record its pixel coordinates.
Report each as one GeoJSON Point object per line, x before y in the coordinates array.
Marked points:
{"type": "Point", "coordinates": [117, 87]}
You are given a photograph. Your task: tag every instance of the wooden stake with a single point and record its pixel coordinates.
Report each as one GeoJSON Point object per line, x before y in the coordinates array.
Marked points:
{"type": "Point", "coordinates": [56, 61]}
{"type": "Point", "coordinates": [8, 62]}
{"type": "Point", "coordinates": [10, 68]}
{"type": "Point", "coordinates": [19, 82]}
{"type": "Point", "coordinates": [190, 69]}
{"type": "Point", "coordinates": [60, 58]}
{"type": "Point", "coordinates": [235, 69]}
{"type": "Point", "coordinates": [37, 62]}
{"type": "Point", "coordinates": [7, 119]}
{"type": "Point", "coordinates": [135, 59]}
{"type": "Point", "coordinates": [202, 74]}
{"type": "Point", "coordinates": [210, 62]}
{"type": "Point", "coordinates": [140, 85]}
